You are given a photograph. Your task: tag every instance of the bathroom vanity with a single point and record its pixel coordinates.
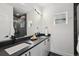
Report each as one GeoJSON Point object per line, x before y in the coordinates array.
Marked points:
{"type": "Point", "coordinates": [26, 47]}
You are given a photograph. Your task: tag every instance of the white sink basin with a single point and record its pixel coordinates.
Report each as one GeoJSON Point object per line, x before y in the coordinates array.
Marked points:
{"type": "Point", "coordinates": [16, 48]}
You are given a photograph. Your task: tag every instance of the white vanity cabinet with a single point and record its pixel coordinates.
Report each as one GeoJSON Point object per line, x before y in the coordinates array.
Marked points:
{"type": "Point", "coordinates": [36, 51]}
{"type": "Point", "coordinates": [41, 49]}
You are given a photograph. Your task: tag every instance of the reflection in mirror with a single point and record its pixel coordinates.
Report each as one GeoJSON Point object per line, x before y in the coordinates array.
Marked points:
{"type": "Point", "coordinates": [20, 25]}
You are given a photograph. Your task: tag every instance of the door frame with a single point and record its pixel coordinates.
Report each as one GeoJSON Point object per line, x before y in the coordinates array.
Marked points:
{"type": "Point", "coordinates": [75, 29]}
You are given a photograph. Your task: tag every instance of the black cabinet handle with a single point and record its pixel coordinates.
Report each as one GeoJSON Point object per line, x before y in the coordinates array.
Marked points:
{"type": "Point", "coordinates": [29, 53]}
{"type": "Point", "coordinates": [25, 54]}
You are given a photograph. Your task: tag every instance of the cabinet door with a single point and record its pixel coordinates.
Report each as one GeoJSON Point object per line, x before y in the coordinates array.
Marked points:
{"type": "Point", "coordinates": [36, 51]}
{"type": "Point", "coordinates": [45, 47]}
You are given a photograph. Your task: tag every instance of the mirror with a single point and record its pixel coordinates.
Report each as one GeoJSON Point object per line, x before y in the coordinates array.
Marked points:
{"type": "Point", "coordinates": [20, 25]}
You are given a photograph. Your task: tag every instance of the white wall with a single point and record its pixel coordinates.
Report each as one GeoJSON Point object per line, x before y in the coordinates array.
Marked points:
{"type": "Point", "coordinates": [36, 20]}
{"type": "Point", "coordinates": [6, 22]}
{"type": "Point", "coordinates": [62, 35]}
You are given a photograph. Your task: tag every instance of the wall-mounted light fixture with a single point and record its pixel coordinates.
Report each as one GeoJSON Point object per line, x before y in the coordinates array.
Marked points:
{"type": "Point", "coordinates": [37, 11]}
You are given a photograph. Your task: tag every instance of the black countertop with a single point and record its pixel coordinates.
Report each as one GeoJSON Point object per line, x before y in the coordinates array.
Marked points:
{"type": "Point", "coordinates": [20, 52]}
